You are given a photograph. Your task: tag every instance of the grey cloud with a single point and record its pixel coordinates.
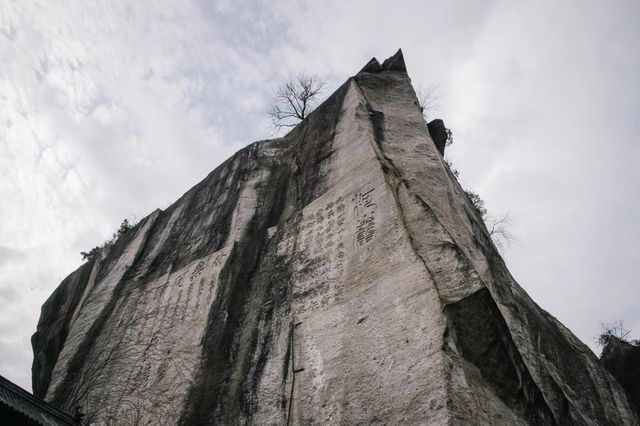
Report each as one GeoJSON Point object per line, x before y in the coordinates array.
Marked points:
{"type": "Point", "coordinates": [118, 110]}
{"type": "Point", "coordinates": [8, 294]}
{"type": "Point", "coordinates": [8, 254]}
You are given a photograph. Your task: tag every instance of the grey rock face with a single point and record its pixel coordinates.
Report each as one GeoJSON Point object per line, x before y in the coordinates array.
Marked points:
{"type": "Point", "coordinates": [622, 360]}
{"type": "Point", "coordinates": [335, 275]}
{"type": "Point", "coordinates": [438, 133]}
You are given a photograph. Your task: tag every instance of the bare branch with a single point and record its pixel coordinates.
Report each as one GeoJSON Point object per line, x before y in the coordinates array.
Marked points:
{"type": "Point", "coordinates": [612, 330]}
{"type": "Point", "coordinates": [428, 100]}
{"type": "Point", "coordinates": [294, 100]}
{"type": "Point", "coordinates": [499, 232]}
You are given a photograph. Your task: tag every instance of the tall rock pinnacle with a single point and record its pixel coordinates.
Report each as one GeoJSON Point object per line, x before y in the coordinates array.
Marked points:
{"type": "Point", "coordinates": [337, 275]}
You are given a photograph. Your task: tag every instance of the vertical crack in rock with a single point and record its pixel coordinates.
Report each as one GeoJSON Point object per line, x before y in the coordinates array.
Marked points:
{"type": "Point", "coordinates": [255, 283]}
{"type": "Point", "coordinates": [336, 275]}
{"type": "Point", "coordinates": [486, 343]}
{"type": "Point", "coordinates": [220, 388]}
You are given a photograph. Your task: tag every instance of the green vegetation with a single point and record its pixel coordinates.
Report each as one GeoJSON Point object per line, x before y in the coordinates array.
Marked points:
{"type": "Point", "coordinates": [477, 203]}
{"type": "Point", "coordinates": [94, 252]}
{"type": "Point", "coordinates": [498, 227]}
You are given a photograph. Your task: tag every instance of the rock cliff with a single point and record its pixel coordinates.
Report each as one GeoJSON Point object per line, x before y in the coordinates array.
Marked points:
{"type": "Point", "coordinates": [335, 275]}
{"type": "Point", "coordinates": [622, 360]}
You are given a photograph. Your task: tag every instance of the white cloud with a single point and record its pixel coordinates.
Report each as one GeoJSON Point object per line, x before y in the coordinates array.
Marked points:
{"type": "Point", "coordinates": [109, 110]}
{"type": "Point", "coordinates": [115, 108]}
{"type": "Point", "coordinates": [544, 113]}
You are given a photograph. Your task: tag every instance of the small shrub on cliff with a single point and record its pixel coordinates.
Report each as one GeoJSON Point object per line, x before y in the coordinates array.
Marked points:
{"type": "Point", "coordinates": [94, 252]}
{"type": "Point", "coordinates": [449, 164]}
{"type": "Point", "coordinates": [91, 254]}
{"type": "Point", "coordinates": [477, 203]}
{"type": "Point", "coordinates": [497, 227]}
{"type": "Point", "coordinates": [449, 137]}
{"type": "Point", "coordinates": [612, 329]}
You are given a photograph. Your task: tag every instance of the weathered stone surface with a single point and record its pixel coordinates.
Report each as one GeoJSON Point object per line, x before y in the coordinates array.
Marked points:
{"type": "Point", "coordinates": [335, 275]}
{"type": "Point", "coordinates": [438, 133]}
{"type": "Point", "coordinates": [622, 360]}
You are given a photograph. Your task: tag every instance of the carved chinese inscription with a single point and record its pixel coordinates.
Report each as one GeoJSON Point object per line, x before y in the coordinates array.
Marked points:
{"type": "Point", "coordinates": [363, 202]}
{"type": "Point", "coordinates": [218, 258]}
{"type": "Point", "coordinates": [198, 270]}
{"type": "Point", "coordinates": [158, 332]}
{"type": "Point", "coordinates": [322, 265]}
{"type": "Point", "coordinates": [364, 211]}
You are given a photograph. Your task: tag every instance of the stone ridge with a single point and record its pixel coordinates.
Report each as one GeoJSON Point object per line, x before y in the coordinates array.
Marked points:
{"type": "Point", "coordinates": [335, 275]}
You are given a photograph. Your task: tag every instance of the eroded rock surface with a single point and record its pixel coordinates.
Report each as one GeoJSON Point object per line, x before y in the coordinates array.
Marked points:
{"type": "Point", "coordinates": [335, 275]}
{"type": "Point", "coordinates": [622, 360]}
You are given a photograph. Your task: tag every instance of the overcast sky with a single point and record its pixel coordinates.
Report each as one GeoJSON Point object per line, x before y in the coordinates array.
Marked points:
{"type": "Point", "coordinates": [111, 109]}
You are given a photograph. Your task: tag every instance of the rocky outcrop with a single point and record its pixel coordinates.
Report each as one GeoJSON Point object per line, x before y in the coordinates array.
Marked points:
{"type": "Point", "coordinates": [439, 134]}
{"type": "Point", "coordinates": [335, 275]}
{"type": "Point", "coordinates": [622, 360]}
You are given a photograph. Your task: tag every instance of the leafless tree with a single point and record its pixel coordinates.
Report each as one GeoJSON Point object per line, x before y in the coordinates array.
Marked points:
{"type": "Point", "coordinates": [498, 227]}
{"type": "Point", "coordinates": [612, 329]}
{"type": "Point", "coordinates": [294, 100]}
{"type": "Point", "coordinates": [498, 230]}
{"type": "Point", "coordinates": [428, 100]}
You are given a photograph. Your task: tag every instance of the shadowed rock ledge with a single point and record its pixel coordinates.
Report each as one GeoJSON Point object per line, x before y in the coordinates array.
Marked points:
{"type": "Point", "coordinates": [622, 360]}
{"type": "Point", "coordinates": [335, 275]}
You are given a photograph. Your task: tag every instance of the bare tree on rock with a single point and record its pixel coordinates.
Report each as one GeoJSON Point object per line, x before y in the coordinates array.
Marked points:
{"type": "Point", "coordinates": [294, 100]}
{"type": "Point", "coordinates": [428, 100]}
{"type": "Point", "coordinates": [498, 228]}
